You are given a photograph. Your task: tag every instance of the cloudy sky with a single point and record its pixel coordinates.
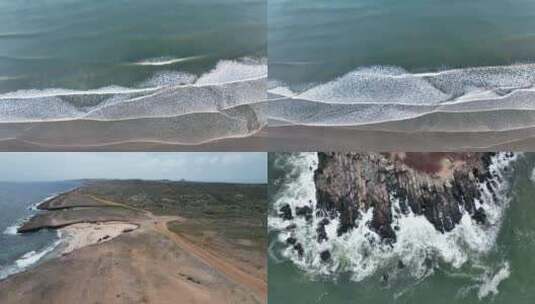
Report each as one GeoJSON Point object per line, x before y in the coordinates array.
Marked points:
{"type": "Point", "coordinates": [223, 167]}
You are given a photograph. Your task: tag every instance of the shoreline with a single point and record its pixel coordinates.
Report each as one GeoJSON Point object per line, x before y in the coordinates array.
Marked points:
{"type": "Point", "coordinates": [116, 243]}
{"type": "Point", "coordinates": [306, 138]}
{"type": "Point", "coordinates": [80, 235]}
{"type": "Point", "coordinates": [33, 258]}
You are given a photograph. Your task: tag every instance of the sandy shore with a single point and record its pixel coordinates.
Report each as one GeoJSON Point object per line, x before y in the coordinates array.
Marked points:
{"type": "Point", "coordinates": [78, 236]}
{"type": "Point", "coordinates": [133, 260]}
{"type": "Point", "coordinates": [318, 138]}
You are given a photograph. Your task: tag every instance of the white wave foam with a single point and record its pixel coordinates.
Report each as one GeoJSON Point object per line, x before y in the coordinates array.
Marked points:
{"type": "Point", "coordinates": [33, 207]}
{"type": "Point", "coordinates": [166, 60]}
{"type": "Point", "coordinates": [491, 281]}
{"type": "Point", "coordinates": [4, 78]}
{"type": "Point", "coordinates": [166, 94]}
{"type": "Point", "coordinates": [381, 94]}
{"type": "Point", "coordinates": [33, 257]}
{"type": "Point", "coordinates": [11, 230]}
{"type": "Point", "coordinates": [231, 71]}
{"type": "Point", "coordinates": [27, 260]}
{"type": "Point", "coordinates": [419, 246]}
{"type": "Point", "coordinates": [33, 94]}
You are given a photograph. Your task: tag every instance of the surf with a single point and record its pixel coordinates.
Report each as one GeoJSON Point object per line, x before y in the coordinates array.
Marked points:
{"type": "Point", "coordinates": [379, 94]}
{"type": "Point", "coordinates": [419, 247]}
{"type": "Point", "coordinates": [161, 61]}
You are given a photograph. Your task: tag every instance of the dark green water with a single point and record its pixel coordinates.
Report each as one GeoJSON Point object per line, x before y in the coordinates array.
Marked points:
{"type": "Point", "coordinates": [316, 40]}
{"type": "Point", "coordinates": [121, 71]}
{"type": "Point", "coordinates": [411, 66]}
{"type": "Point", "coordinates": [515, 246]}
{"type": "Point", "coordinates": [79, 44]}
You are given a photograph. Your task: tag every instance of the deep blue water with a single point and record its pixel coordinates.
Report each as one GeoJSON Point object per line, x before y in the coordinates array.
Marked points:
{"type": "Point", "coordinates": [18, 251]}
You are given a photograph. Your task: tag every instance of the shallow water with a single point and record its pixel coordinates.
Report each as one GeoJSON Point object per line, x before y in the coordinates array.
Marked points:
{"type": "Point", "coordinates": [17, 201]}
{"type": "Point", "coordinates": [500, 274]}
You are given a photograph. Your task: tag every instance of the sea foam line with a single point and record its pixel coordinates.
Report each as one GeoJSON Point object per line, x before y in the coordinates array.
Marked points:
{"type": "Point", "coordinates": [13, 229]}
{"type": "Point", "coordinates": [228, 84]}
{"type": "Point", "coordinates": [28, 259]}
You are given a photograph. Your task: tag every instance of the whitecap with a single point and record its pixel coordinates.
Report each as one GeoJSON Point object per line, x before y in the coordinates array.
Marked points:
{"type": "Point", "coordinates": [11, 230]}
{"type": "Point", "coordinates": [33, 256]}
{"type": "Point", "coordinates": [27, 260]}
{"type": "Point", "coordinates": [159, 61]}
{"type": "Point", "coordinates": [165, 94]}
{"type": "Point", "coordinates": [379, 94]}
{"type": "Point", "coordinates": [490, 281]}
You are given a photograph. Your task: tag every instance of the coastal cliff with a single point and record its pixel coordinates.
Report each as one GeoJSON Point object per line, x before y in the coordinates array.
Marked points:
{"type": "Point", "coordinates": [439, 186]}
{"type": "Point", "coordinates": [442, 187]}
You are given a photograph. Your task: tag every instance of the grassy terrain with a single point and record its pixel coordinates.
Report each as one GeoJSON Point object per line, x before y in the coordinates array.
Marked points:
{"type": "Point", "coordinates": [188, 199]}
{"type": "Point", "coordinates": [218, 214]}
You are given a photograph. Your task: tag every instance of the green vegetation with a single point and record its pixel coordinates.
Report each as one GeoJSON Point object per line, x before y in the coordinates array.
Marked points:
{"type": "Point", "coordinates": [217, 213]}
{"type": "Point", "coordinates": [244, 202]}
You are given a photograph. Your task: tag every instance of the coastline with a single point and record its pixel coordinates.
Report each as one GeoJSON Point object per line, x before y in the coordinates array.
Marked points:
{"type": "Point", "coordinates": [119, 242]}
{"type": "Point", "coordinates": [325, 253]}
{"type": "Point", "coordinates": [305, 138]}
{"type": "Point", "coordinates": [33, 258]}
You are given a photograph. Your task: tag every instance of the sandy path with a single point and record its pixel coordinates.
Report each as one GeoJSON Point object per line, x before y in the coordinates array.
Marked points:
{"type": "Point", "coordinates": [232, 272]}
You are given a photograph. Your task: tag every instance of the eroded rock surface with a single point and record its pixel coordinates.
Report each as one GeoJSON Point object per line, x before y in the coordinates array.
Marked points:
{"type": "Point", "coordinates": [440, 186]}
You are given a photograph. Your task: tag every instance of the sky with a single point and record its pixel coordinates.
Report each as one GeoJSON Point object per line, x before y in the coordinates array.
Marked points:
{"type": "Point", "coordinates": [195, 166]}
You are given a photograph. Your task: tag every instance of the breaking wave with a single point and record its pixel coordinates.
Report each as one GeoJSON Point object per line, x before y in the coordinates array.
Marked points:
{"type": "Point", "coordinates": [170, 106]}
{"type": "Point", "coordinates": [383, 94]}
{"type": "Point", "coordinates": [490, 281]}
{"type": "Point", "coordinates": [166, 60]}
{"type": "Point", "coordinates": [420, 249]}
{"type": "Point", "coordinates": [12, 230]}
{"type": "Point", "coordinates": [27, 260]}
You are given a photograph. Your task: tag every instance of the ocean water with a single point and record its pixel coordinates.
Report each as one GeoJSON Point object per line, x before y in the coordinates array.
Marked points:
{"type": "Point", "coordinates": [18, 202]}
{"type": "Point", "coordinates": [175, 70]}
{"type": "Point", "coordinates": [467, 265]}
{"type": "Point", "coordinates": [367, 63]}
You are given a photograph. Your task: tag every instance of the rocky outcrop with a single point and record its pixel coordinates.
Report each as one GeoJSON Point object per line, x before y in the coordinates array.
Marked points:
{"type": "Point", "coordinates": [71, 199]}
{"type": "Point", "coordinates": [440, 186]}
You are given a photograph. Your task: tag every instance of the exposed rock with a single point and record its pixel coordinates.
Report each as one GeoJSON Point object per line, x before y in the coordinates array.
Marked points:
{"type": "Point", "coordinates": [291, 241]}
{"type": "Point", "coordinates": [305, 211]}
{"type": "Point", "coordinates": [299, 248]}
{"type": "Point", "coordinates": [322, 234]}
{"type": "Point", "coordinates": [291, 227]}
{"type": "Point", "coordinates": [286, 212]}
{"type": "Point", "coordinates": [325, 255]}
{"type": "Point", "coordinates": [437, 185]}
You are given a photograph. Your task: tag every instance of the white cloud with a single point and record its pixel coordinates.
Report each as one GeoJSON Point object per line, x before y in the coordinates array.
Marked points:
{"type": "Point", "coordinates": [199, 166]}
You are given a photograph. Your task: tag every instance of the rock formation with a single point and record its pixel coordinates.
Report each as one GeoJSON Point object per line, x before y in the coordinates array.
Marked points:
{"type": "Point", "coordinates": [440, 186]}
